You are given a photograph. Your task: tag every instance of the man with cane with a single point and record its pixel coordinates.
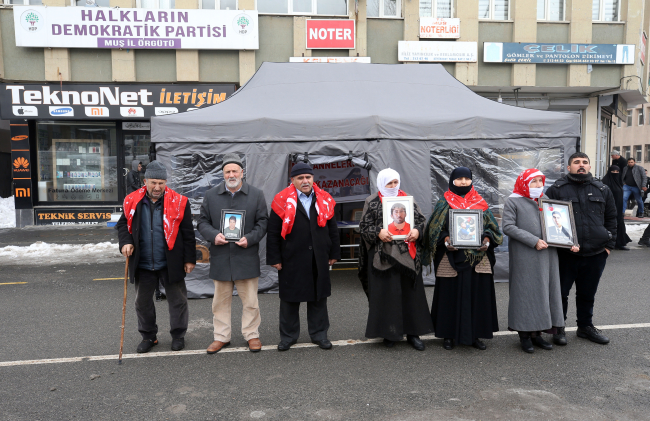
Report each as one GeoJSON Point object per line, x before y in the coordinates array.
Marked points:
{"type": "Point", "coordinates": [156, 233]}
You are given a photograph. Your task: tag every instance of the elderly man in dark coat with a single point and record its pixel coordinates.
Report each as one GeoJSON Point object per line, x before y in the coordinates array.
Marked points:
{"type": "Point", "coordinates": [156, 231]}
{"type": "Point", "coordinates": [302, 243]}
{"type": "Point", "coordinates": [234, 262]}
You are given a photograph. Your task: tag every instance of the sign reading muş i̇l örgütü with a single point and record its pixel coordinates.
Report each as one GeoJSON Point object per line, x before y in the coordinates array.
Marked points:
{"type": "Point", "coordinates": [84, 27]}
{"type": "Point", "coordinates": [516, 52]}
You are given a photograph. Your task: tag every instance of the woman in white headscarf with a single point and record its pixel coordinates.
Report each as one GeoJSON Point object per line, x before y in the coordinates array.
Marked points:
{"type": "Point", "coordinates": [391, 270]}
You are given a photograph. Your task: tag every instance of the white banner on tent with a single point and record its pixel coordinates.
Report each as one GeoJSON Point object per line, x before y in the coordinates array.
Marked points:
{"type": "Point", "coordinates": [101, 27]}
{"type": "Point", "coordinates": [329, 59]}
{"type": "Point", "coordinates": [438, 51]}
{"type": "Point", "coordinates": [343, 180]}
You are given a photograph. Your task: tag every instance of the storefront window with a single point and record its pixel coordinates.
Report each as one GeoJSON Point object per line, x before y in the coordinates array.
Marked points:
{"type": "Point", "coordinates": [77, 162]}
{"type": "Point", "coordinates": [136, 150]}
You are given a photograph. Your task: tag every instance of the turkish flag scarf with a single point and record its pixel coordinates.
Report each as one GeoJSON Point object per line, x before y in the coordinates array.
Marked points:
{"type": "Point", "coordinates": [284, 205]}
{"type": "Point", "coordinates": [472, 200]}
{"type": "Point", "coordinates": [173, 211]}
{"type": "Point", "coordinates": [412, 248]}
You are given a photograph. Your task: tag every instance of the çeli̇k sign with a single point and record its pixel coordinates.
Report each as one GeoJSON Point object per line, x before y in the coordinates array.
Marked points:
{"type": "Point", "coordinates": [83, 27]}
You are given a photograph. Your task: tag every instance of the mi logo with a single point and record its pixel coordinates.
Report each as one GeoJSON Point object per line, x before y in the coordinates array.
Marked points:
{"type": "Point", "coordinates": [97, 111]}
{"type": "Point", "coordinates": [23, 192]}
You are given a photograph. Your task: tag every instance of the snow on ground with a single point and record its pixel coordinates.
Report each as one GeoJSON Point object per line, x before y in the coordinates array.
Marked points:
{"type": "Point", "coordinates": [635, 231]}
{"type": "Point", "coordinates": [7, 213]}
{"type": "Point", "coordinates": [41, 253]}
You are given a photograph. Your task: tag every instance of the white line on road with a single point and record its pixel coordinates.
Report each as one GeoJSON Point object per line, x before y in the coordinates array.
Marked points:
{"type": "Point", "coordinates": [344, 342]}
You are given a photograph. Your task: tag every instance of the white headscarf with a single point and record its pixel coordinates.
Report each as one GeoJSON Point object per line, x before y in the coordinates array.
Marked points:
{"type": "Point", "coordinates": [384, 177]}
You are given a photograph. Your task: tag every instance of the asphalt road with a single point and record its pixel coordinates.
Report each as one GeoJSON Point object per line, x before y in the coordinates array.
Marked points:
{"type": "Point", "coordinates": [62, 311]}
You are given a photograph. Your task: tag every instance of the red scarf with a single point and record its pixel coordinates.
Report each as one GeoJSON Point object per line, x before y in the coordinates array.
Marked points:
{"type": "Point", "coordinates": [412, 247]}
{"type": "Point", "coordinates": [284, 205]}
{"type": "Point", "coordinates": [522, 184]}
{"type": "Point", "coordinates": [472, 200]}
{"type": "Point", "coordinates": [173, 211]}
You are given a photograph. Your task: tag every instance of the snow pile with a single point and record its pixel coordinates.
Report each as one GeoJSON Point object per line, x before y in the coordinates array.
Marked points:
{"type": "Point", "coordinates": [635, 231]}
{"type": "Point", "coordinates": [7, 213]}
{"type": "Point", "coordinates": [41, 253]}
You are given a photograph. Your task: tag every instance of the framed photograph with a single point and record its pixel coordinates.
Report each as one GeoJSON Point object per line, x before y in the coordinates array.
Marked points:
{"type": "Point", "coordinates": [558, 224]}
{"type": "Point", "coordinates": [232, 224]}
{"type": "Point", "coordinates": [466, 228]}
{"type": "Point", "coordinates": [398, 216]}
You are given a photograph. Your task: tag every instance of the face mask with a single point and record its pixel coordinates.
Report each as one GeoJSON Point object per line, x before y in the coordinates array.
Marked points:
{"type": "Point", "coordinates": [536, 192]}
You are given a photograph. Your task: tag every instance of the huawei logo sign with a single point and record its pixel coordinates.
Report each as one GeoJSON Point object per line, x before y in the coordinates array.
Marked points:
{"type": "Point", "coordinates": [21, 164]}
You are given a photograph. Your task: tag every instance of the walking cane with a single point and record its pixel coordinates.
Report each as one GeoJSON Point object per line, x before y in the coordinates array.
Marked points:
{"type": "Point", "coordinates": [126, 277]}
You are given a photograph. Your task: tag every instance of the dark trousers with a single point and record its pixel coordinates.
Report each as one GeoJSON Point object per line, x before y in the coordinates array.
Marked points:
{"type": "Point", "coordinates": [318, 322]}
{"type": "Point", "coordinates": [646, 235]}
{"type": "Point", "coordinates": [585, 272]}
{"type": "Point", "coordinates": [146, 282]}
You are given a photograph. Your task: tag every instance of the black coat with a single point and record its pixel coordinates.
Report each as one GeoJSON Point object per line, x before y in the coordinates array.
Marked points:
{"type": "Point", "coordinates": [133, 181]}
{"type": "Point", "coordinates": [594, 211]}
{"type": "Point", "coordinates": [620, 163]}
{"type": "Point", "coordinates": [306, 243]}
{"type": "Point", "coordinates": [184, 250]}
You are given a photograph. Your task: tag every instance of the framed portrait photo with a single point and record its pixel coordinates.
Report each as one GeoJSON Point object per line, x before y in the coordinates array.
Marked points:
{"type": "Point", "coordinates": [232, 224]}
{"type": "Point", "coordinates": [558, 224]}
{"type": "Point", "coordinates": [398, 216]}
{"type": "Point", "coordinates": [466, 228]}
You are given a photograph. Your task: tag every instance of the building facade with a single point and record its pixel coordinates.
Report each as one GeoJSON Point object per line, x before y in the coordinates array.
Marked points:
{"type": "Point", "coordinates": [580, 56]}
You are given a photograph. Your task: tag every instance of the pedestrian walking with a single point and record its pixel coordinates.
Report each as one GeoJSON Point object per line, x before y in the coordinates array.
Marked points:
{"type": "Point", "coordinates": [535, 299]}
{"type": "Point", "coordinates": [613, 180]}
{"type": "Point", "coordinates": [594, 211]}
{"type": "Point", "coordinates": [133, 182]}
{"type": "Point", "coordinates": [392, 269]}
{"type": "Point", "coordinates": [302, 244]}
{"type": "Point", "coordinates": [464, 304]}
{"type": "Point", "coordinates": [617, 159]}
{"type": "Point", "coordinates": [156, 231]}
{"type": "Point", "coordinates": [234, 263]}
{"type": "Point", "coordinates": [634, 183]}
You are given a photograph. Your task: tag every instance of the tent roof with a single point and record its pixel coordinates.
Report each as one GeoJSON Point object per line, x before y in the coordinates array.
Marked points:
{"type": "Point", "coordinates": [320, 101]}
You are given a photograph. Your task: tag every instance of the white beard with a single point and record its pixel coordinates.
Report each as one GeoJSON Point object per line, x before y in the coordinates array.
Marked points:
{"type": "Point", "coordinates": [232, 184]}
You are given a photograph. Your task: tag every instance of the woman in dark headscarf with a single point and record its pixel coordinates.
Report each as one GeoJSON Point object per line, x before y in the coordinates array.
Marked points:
{"type": "Point", "coordinates": [464, 304]}
{"type": "Point", "coordinates": [391, 271]}
{"type": "Point", "coordinates": [613, 180]}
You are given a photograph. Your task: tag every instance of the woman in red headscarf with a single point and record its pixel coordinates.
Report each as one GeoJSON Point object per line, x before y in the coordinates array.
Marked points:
{"type": "Point", "coordinates": [535, 297]}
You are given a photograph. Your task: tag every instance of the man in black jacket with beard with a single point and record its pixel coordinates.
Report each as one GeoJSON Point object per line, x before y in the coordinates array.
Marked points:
{"type": "Point", "coordinates": [594, 210]}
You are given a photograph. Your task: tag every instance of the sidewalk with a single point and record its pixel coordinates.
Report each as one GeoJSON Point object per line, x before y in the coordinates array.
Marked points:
{"type": "Point", "coordinates": [69, 234]}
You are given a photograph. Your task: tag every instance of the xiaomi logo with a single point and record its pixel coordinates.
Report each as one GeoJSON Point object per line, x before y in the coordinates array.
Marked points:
{"type": "Point", "coordinates": [97, 112]}
{"type": "Point", "coordinates": [21, 164]}
{"type": "Point", "coordinates": [23, 192]}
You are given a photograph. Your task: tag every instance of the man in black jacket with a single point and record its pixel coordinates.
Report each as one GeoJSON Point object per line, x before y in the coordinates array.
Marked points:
{"type": "Point", "coordinates": [133, 177]}
{"type": "Point", "coordinates": [594, 211]}
{"type": "Point", "coordinates": [618, 160]}
{"type": "Point", "coordinates": [302, 252]}
{"type": "Point", "coordinates": [159, 252]}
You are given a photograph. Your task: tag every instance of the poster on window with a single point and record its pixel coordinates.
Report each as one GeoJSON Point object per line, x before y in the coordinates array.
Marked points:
{"type": "Point", "coordinates": [343, 180]}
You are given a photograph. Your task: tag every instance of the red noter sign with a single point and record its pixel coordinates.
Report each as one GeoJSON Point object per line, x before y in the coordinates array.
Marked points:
{"type": "Point", "coordinates": [330, 33]}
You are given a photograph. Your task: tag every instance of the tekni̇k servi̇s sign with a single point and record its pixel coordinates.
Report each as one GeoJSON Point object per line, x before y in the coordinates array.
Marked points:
{"type": "Point", "coordinates": [515, 52]}
{"type": "Point", "coordinates": [85, 27]}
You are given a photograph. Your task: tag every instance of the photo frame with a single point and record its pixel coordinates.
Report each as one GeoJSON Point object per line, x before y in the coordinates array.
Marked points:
{"type": "Point", "coordinates": [558, 223]}
{"type": "Point", "coordinates": [466, 228]}
{"type": "Point", "coordinates": [401, 224]}
{"type": "Point", "coordinates": [228, 219]}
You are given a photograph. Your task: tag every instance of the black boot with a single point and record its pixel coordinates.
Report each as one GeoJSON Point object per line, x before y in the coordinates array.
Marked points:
{"type": "Point", "coordinates": [540, 342]}
{"type": "Point", "coordinates": [559, 338]}
{"type": "Point", "coordinates": [526, 343]}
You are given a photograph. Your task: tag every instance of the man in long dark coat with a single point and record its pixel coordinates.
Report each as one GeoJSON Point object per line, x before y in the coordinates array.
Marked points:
{"type": "Point", "coordinates": [302, 243]}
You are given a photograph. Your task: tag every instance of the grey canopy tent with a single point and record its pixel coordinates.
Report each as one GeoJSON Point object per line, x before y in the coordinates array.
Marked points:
{"type": "Point", "coordinates": [416, 119]}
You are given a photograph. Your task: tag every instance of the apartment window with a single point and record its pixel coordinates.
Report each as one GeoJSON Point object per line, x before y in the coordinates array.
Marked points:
{"type": "Point", "coordinates": [630, 115]}
{"type": "Point", "coordinates": [218, 4]}
{"type": "Point", "coordinates": [435, 8]}
{"type": "Point", "coordinates": [641, 117]}
{"type": "Point", "coordinates": [27, 2]}
{"type": "Point", "coordinates": [627, 152]}
{"type": "Point", "coordinates": [605, 10]}
{"type": "Point", "coordinates": [647, 153]}
{"type": "Point", "coordinates": [304, 7]}
{"type": "Point", "coordinates": [384, 8]}
{"type": "Point", "coordinates": [618, 123]}
{"type": "Point", "coordinates": [494, 9]}
{"type": "Point", "coordinates": [551, 10]}
{"type": "Point", "coordinates": [156, 4]}
{"type": "Point", "coordinates": [638, 153]}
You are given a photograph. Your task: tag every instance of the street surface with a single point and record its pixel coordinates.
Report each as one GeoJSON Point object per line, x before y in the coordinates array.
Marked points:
{"type": "Point", "coordinates": [73, 312]}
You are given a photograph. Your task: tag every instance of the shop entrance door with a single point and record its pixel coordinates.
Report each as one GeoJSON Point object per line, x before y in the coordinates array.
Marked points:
{"type": "Point", "coordinates": [136, 150]}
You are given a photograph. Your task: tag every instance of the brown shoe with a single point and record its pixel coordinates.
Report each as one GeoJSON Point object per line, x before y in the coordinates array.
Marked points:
{"type": "Point", "coordinates": [216, 346]}
{"type": "Point", "coordinates": [255, 345]}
